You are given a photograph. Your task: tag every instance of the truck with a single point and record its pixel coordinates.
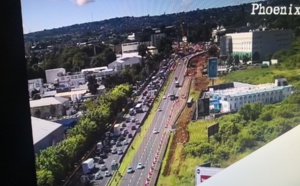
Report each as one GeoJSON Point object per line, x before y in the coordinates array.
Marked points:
{"type": "Point", "coordinates": [88, 165]}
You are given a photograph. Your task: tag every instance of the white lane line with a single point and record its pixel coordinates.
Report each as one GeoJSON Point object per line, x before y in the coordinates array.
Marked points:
{"type": "Point", "coordinates": [169, 88]}
{"type": "Point", "coordinates": [155, 143]}
{"type": "Point", "coordinates": [156, 117]}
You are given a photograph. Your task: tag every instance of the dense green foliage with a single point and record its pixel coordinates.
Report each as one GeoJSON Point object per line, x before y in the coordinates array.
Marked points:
{"type": "Point", "coordinates": [70, 58]}
{"type": "Point", "coordinates": [54, 163]}
{"type": "Point", "coordinates": [253, 126]}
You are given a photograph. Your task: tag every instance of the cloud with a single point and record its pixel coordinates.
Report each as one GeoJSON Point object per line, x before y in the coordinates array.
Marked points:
{"type": "Point", "coordinates": [83, 2]}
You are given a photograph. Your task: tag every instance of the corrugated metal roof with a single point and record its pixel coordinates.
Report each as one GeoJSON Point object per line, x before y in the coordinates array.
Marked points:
{"type": "Point", "coordinates": [42, 128]}
{"type": "Point", "coordinates": [275, 164]}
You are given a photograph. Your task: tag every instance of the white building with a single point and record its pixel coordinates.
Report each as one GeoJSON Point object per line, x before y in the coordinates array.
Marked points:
{"type": "Point", "coordinates": [60, 76]}
{"type": "Point", "coordinates": [125, 60]}
{"type": "Point", "coordinates": [49, 106]}
{"type": "Point", "coordinates": [259, 44]}
{"type": "Point", "coordinates": [35, 84]}
{"type": "Point", "coordinates": [45, 133]}
{"type": "Point", "coordinates": [130, 47]}
{"type": "Point", "coordinates": [234, 98]}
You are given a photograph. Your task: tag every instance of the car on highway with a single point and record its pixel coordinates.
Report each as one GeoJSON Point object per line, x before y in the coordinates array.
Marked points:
{"type": "Point", "coordinates": [120, 151]}
{"type": "Point", "coordinates": [155, 131]}
{"type": "Point", "coordinates": [164, 97]}
{"type": "Point", "coordinates": [129, 135]}
{"type": "Point", "coordinates": [133, 127]}
{"type": "Point", "coordinates": [118, 144]}
{"type": "Point", "coordinates": [130, 170]}
{"type": "Point", "coordinates": [100, 160]}
{"type": "Point", "coordinates": [114, 150]}
{"type": "Point", "coordinates": [159, 109]}
{"type": "Point", "coordinates": [98, 175]}
{"type": "Point", "coordinates": [114, 163]}
{"type": "Point", "coordinates": [103, 168]}
{"type": "Point", "coordinates": [125, 142]}
{"type": "Point", "coordinates": [139, 166]}
{"type": "Point", "coordinates": [107, 174]}
{"type": "Point", "coordinates": [103, 155]}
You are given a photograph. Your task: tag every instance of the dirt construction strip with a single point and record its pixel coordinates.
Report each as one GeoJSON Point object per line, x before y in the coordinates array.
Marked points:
{"type": "Point", "coordinates": [181, 136]}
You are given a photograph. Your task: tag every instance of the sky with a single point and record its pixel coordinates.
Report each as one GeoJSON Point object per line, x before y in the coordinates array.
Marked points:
{"type": "Point", "coordinates": [47, 14]}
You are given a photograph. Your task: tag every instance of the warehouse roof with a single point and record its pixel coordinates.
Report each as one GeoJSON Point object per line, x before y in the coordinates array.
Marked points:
{"type": "Point", "coordinates": [277, 164]}
{"type": "Point", "coordinates": [47, 101]}
{"type": "Point", "coordinates": [42, 128]}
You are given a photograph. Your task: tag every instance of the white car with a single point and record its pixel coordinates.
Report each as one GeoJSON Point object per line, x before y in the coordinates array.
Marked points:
{"type": "Point", "coordinates": [155, 131]}
{"type": "Point", "coordinates": [164, 97]}
{"type": "Point", "coordinates": [107, 174]}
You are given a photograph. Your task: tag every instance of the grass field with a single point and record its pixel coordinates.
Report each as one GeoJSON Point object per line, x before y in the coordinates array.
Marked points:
{"type": "Point", "coordinates": [115, 180]}
{"type": "Point", "coordinates": [262, 75]}
{"type": "Point", "coordinates": [183, 174]}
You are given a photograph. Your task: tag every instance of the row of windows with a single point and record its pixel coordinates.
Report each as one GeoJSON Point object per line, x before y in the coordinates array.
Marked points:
{"type": "Point", "coordinates": [256, 95]}
{"type": "Point", "coordinates": [262, 100]}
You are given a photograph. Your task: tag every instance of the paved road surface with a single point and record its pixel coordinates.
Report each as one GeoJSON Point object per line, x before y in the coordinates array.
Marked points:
{"type": "Point", "coordinates": [147, 151]}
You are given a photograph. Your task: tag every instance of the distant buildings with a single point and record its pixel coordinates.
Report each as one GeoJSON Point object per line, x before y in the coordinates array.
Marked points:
{"type": "Point", "coordinates": [256, 45]}
{"type": "Point", "coordinates": [130, 47]}
{"type": "Point", "coordinates": [156, 37]}
{"type": "Point", "coordinates": [45, 133]}
{"type": "Point", "coordinates": [35, 85]}
{"type": "Point", "coordinates": [232, 99]}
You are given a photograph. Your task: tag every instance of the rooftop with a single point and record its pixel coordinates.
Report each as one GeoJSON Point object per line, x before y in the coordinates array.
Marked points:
{"type": "Point", "coordinates": [245, 90]}
{"type": "Point", "coordinates": [47, 101]}
{"type": "Point", "coordinates": [42, 128]}
{"type": "Point", "coordinates": [277, 164]}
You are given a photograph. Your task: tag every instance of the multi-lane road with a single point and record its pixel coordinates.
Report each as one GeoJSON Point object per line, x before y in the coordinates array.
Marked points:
{"type": "Point", "coordinates": [148, 148]}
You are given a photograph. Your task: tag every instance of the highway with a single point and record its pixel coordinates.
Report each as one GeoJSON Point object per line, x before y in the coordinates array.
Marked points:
{"type": "Point", "coordinates": [148, 149]}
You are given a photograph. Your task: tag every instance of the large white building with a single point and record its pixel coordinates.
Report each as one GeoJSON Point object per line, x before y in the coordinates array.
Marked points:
{"type": "Point", "coordinates": [125, 60]}
{"type": "Point", "coordinates": [234, 98]}
{"type": "Point", "coordinates": [257, 45]}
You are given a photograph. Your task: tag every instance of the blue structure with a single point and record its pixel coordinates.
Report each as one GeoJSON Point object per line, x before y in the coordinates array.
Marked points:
{"type": "Point", "coordinates": [215, 105]}
{"type": "Point", "coordinates": [67, 123]}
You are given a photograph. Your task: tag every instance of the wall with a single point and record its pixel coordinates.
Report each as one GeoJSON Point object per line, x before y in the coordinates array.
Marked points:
{"type": "Point", "coordinates": [45, 111]}
{"type": "Point", "coordinates": [53, 138]}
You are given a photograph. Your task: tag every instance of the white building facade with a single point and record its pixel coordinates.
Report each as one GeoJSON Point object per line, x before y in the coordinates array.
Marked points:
{"type": "Point", "coordinates": [130, 47]}
{"type": "Point", "coordinates": [259, 44]}
{"type": "Point", "coordinates": [234, 98]}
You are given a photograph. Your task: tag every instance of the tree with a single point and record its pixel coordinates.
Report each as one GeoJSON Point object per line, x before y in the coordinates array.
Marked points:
{"type": "Point", "coordinates": [80, 61]}
{"type": "Point", "coordinates": [92, 85]}
{"type": "Point", "coordinates": [213, 51]}
{"type": "Point", "coordinates": [109, 56]}
{"type": "Point", "coordinates": [44, 178]}
{"type": "Point", "coordinates": [142, 49]}
{"type": "Point", "coordinates": [236, 60]}
{"type": "Point", "coordinates": [98, 61]}
{"type": "Point", "coordinates": [165, 47]}
{"type": "Point", "coordinates": [230, 60]}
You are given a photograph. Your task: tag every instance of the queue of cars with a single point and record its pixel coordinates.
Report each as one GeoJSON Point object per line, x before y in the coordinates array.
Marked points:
{"type": "Point", "coordinates": [113, 147]}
